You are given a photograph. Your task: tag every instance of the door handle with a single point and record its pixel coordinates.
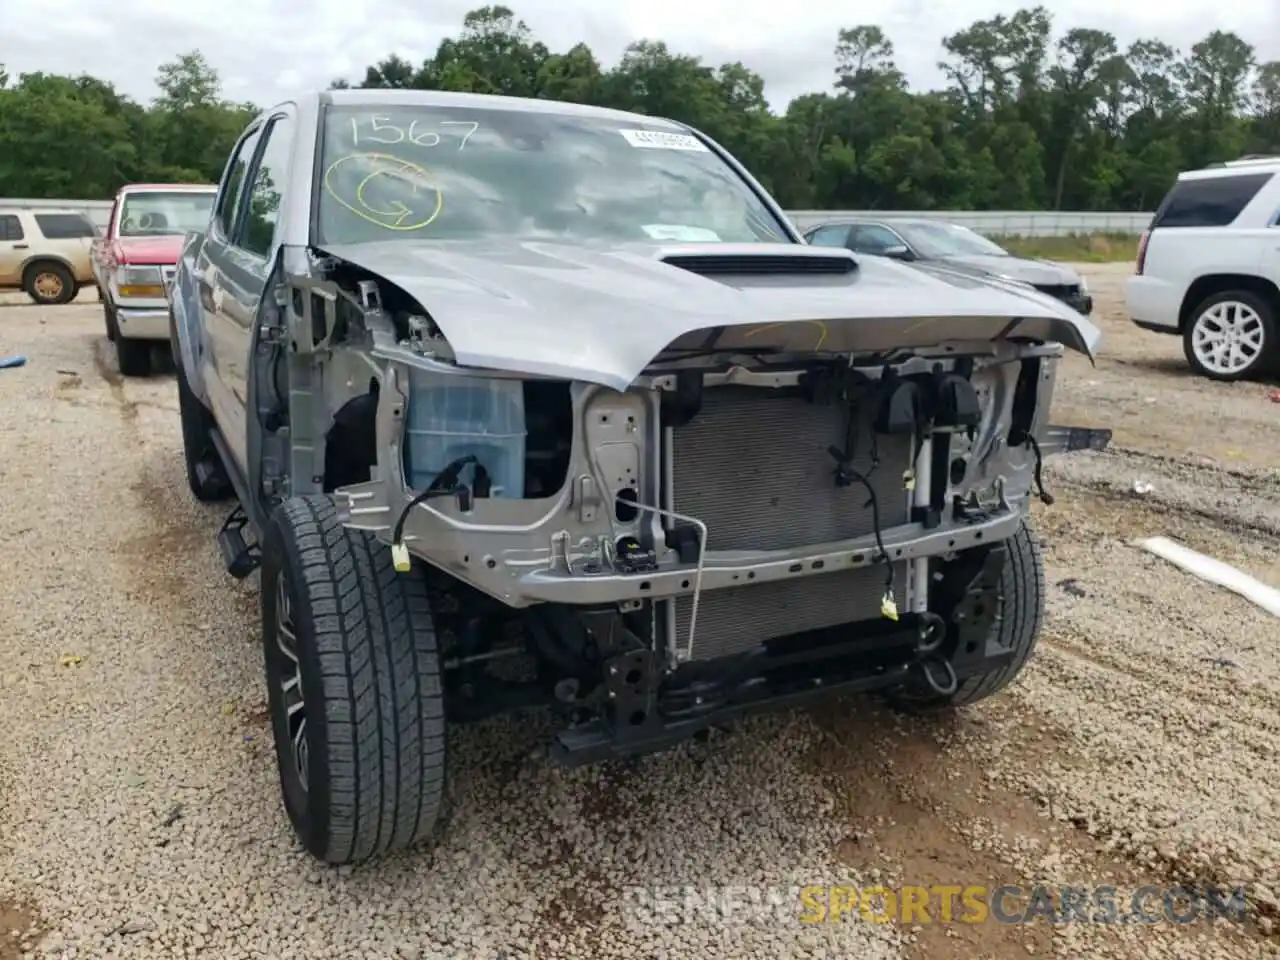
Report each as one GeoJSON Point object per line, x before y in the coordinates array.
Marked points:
{"type": "Point", "coordinates": [21, 246]}
{"type": "Point", "coordinates": [206, 293]}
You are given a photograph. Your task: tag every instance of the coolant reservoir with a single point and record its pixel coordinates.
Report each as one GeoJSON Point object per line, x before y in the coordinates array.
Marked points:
{"type": "Point", "coordinates": [452, 417]}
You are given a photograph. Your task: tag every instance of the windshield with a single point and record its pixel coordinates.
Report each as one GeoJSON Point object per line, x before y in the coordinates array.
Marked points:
{"type": "Point", "coordinates": [462, 173]}
{"type": "Point", "coordinates": [948, 240]}
{"type": "Point", "coordinates": [154, 214]}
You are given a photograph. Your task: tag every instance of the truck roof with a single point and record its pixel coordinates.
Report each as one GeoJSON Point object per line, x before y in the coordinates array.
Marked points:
{"type": "Point", "coordinates": [872, 218]}
{"type": "Point", "coordinates": [477, 101]}
{"type": "Point", "coordinates": [1233, 168]}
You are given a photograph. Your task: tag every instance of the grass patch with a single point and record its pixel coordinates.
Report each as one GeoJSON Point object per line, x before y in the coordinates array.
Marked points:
{"type": "Point", "coordinates": [1075, 247]}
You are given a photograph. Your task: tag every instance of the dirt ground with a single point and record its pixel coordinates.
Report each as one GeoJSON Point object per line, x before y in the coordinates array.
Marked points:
{"type": "Point", "coordinates": [139, 812]}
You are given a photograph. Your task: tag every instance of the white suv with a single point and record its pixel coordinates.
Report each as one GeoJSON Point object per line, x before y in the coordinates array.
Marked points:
{"type": "Point", "coordinates": [1209, 268]}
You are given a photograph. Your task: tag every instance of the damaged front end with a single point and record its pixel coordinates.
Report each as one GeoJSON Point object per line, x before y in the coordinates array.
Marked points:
{"type": "Point", "coordinates": [755, 518]}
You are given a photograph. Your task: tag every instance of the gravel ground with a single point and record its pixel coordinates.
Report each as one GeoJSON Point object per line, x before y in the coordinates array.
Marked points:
{"type": "Point", "coordinates": [139, 811]}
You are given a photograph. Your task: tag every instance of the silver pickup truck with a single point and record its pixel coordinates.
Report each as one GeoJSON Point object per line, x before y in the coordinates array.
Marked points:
{"type": "Point", "coordinates": [526, 404]}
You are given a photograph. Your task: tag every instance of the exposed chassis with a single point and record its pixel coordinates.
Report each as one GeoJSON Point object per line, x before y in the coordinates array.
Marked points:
{"type": "Point", "coordinates": [548, 559]}
{"type": "Point", "coordinates": [640, 509]}
{"type": "Point", "coordinates": [640, 708]}
{"type": "Point", "coordinates": [561, 549]}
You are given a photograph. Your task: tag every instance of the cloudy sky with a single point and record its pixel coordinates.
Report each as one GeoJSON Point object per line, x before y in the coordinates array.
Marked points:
{"type": "Point", "coordinates": [266, 50]}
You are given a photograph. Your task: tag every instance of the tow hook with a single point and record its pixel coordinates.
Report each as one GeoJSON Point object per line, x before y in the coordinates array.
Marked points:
{"type": "Point", "coordinates": [933, 630]}
{"type": "Point", "coordinates": [937, 672]}
{"type": "Point", "coordinates": [943, 686]}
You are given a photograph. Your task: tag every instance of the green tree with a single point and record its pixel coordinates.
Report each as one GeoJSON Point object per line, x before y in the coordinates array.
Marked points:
{"type": "Point", "coordinates": [191, 127]}
{"type": "Point", "coordinates": [1076, 86]}
{"type": "Point", "coordinates": [496, 53]}
{"type": "Point", "coordinates": [1266, 107]}
{"type": "Point", "coordinates": [1028, 117]}
{"type": "Point", "coordinates": [1215, 77]}
{"type": "Point", "coordinates": [64, 137]}
{"type": "Point", "coordinates": [392, 73]}
{"type": "Point", "coordinates": [187, 83]}
{"type": "Point", "coordinates": [574, 76]}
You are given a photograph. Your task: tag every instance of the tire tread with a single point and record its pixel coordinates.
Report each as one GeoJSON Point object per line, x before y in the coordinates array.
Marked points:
{"type": "Point", "coordinates": [196, 425]}
{"type": "Point", "coordinates": [383, 708]}
{"type": "Point", "coordinates": [1022, 590]}
{"type": "Point", "coordinates": [133, 357]}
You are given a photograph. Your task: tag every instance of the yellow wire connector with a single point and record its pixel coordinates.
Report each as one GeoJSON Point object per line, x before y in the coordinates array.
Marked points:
{"type": "Point", "coordinates": [444, 485]}
{"type": "Point", "coordinates": [888, 606]}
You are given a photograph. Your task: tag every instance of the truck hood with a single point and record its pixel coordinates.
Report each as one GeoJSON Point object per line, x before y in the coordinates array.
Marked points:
{"type": "Point", "coordinates": [1035, 272]}
{"type": "Point", "coordinates": [602, 314]}
{"type": "Point", "coordinates": [146, 250]}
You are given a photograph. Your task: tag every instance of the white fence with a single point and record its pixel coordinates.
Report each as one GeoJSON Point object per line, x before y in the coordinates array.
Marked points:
{"type": "Point", "coordinates": [995, 223]}
{"type": "Point", "coordinates": [1001, 223]}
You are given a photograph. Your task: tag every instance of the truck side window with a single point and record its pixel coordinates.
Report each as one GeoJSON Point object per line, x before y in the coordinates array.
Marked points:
{"type": "Point", "coordinates": [875, 239]}
{"type": "Point", "coordinates": [830, 236]}
{"type": "Point", "coordinates": [229, 199]}
{"type": "Point", "coordinates": [64, 226]}
{"type": "Point", "coordinates": [10, 227]}
{"type": "Point", "coordinates": [267, 189]}
{"type": "Point", "coordinates": [1208, 202]}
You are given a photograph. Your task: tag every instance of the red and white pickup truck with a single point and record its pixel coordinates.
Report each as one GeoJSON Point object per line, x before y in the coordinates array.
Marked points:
{"type": "Point", "coordinates": [135, 258]}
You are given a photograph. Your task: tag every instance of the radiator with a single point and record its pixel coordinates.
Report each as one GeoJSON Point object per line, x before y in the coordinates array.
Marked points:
{"type": "Point", "coordinates": [753, 466]}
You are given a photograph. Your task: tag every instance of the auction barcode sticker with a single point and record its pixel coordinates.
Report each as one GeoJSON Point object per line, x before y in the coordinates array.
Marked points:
{"type": "Point", "coordinates": [659, 140]}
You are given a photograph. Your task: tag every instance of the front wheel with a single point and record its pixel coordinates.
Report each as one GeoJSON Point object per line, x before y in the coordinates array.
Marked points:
{"type": "Point", "coordinates": [1016, 628]}
{"type": "Point", "coordinates": [1231, 336]}
{"type": "Point", "coordinates": [353, 686]}
{"type": "Point", "coordinates": [133, 357]}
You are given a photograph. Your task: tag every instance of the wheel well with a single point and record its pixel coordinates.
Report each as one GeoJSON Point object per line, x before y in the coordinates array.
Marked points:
{"type": "Point", "coordinates": [1220, 283]}
{"type": "Point", "coordinates": [32, 264]}
{"type": "Point", "coordinates": [351, 447]}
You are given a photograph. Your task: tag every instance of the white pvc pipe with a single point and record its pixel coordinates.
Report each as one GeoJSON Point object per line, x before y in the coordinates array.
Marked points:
{"type": "Point", "coordinates": [920, 566]}
{"type": "Point", "coordinates": [1215, 572]}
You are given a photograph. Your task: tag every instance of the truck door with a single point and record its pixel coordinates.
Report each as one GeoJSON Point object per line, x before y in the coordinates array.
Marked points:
{"type": "Point", "coordinates": [70, 237]}
{"type": "Point", "coordinates": [1271, 248]}
{"type": "Point", "coordinates": [214, 256]}
{"type": "Point", "coordinates": [13, 249]}
{"type": "Point", "coordinates": [245, 259]}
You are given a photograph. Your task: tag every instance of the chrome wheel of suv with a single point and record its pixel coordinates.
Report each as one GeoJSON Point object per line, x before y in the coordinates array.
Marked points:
{"type": "Point", "coordinates": [1230, 336]}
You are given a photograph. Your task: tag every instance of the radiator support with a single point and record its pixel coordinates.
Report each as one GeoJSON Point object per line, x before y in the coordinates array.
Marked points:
{"type": "Point", "coordinates": [754, 466]}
